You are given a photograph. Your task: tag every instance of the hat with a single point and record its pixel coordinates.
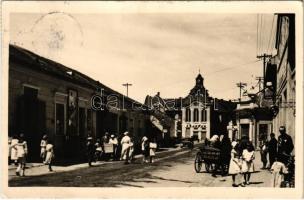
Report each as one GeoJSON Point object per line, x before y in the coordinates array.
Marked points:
{"type": "Point", "coordinates": [112, 136]}
{"type": "Point", "coordinates": [44, 136]}
{"type": "Point", "coordinates": [89, 138]}
{"type": "Point", "coordinates": [126, 133]}
{"type": "Point", "coordinates": [282, 128]}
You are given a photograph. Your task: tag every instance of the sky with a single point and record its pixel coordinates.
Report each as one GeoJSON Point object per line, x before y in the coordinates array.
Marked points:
{"type": "Point", "coordinates": [155, 52]}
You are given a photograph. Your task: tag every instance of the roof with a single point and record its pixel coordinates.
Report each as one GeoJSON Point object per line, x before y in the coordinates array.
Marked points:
{"type": "Point", "coordinates": [44, 65]}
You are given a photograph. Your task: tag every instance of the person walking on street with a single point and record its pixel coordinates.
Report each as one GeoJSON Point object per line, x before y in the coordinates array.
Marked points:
{"type": "Point", "coordinates": [113, 140]}
{"type": "Point", "coordinates": [278, 170]}
{"type": "Point", "coordinates": [14, 157]}
{"type": "Point", "coordinates": [272, 149]}
{"type": "Point", "coordinates": [98, 150]}
{"type": "Point", "coordinates": [153, 147]}
{"type": "Point", "coordinates": [43, 144]}
{"type": "Point", "coordinates": [125, 147]}
{"type": "Point", "coordinates": [22, 151]}
{"type": "Point", "coordinates": [235, 164]}
{"type": "Point", "coordinates": [50, 155]}
{"type": "Point", "coordinates": [90, 150]}
{"type": "Point", "coordinates": [131, 150]}
{"type": "Point", "coordinates": [263, 150]}
{"type": "Point", "coordinates": [145, 149]}
{"type": "Point", "coordinates": [247, 164]}
{"type": "Point", "coordinates": [285, 145]}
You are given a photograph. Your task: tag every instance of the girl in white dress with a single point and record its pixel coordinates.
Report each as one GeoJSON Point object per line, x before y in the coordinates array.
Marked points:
{"type": "Point", "coordinates": [14, 157]}
{"type": "Point", "coordinates": [49, 149]}
{"type": "Point", "coordinates": [247, 164]}
{"type": "Point", "coordinates": [235, 163]}
{"type": "Point", "coordinates": [21, 147]}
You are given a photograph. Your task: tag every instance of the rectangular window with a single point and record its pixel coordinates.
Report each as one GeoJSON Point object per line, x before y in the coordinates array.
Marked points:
{"type": "Point", "coordinates": [30, 92]}
{"type": "Point", "coordinates": [60, 119]}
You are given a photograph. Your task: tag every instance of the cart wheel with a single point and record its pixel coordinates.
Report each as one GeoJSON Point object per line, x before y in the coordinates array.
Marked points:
{"type": "Point", "coordinates": [198, 163]}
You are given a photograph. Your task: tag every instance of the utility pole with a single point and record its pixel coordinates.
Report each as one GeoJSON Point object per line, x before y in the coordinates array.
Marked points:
{"type": "Point", "coordinates": [259, 79]}
{"type": "Point", "coordinates": [264, 56]}
{"type": "Point", "coordinates": [241, 85]}
{"type": "Point", "coordinates": [127, 86]}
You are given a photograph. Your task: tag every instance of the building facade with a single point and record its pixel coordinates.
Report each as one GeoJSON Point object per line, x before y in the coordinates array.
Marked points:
{"type": "Point", "coordinates": [197, 115]}
{"type": "Point", "coordinates": [284, 61]}
{"type": "Point", "coordinates": [46, 97]}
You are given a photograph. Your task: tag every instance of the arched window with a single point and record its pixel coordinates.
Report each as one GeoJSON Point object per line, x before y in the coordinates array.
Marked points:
{"type": "Point", "coordinates": [195, 115]}
{"type": "Point", "coordinates": [188, 115]}
{"type": "Point", "coordinates": [204, 115]}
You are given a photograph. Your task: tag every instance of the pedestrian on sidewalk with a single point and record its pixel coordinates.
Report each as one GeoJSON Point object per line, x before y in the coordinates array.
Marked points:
{"type": "Point", "coordinates": [113, 140]}
{"type": "Point", "coordinates": [247, 163]}
{"type": "Point", "coordinates": [9, 150]}
{"type": "Point", "coordinates": [43, 144]}
{"type": "Point", "coordinates": [153, 147]}
{"type": "Point", "coordinates": [278, 170]}
{"type": "Point", "coordinates": [125, 143]}
{"type": "Point", "coordinates": [263, 150]}
{"type": "Point", "coordinates": [22, 151]}
{"type": "Point", "coordinates": [235, 164]}
{"type": "Point", "coordinates": [285, 145]}
{"type": "Point", "coordinates": [98, 150]}
{"type": "Point", "coordinates": [14, 157]}
{"type": "Point", "coordinates": [145, 149]}
{"type": "Point", "coordinates": [272, 149]}
{"type": "Point", "coordinates": [131, 150]}
{"type": "Point", "coordinates": [90, 150]}
{"type": "Point", "coordinates": [49, 157]}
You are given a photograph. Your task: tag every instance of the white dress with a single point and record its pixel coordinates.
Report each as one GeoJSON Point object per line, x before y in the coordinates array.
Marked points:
{"type": "Point", "coordinates": [43, 144]}
{"type": "Point", "coordinates": [125, 144]}
{"type": "Point", "coordinates": [14, 149]}
{"type": "Point", "coordinates": [278, 170]}
{"type": "Point", "coordinates": [247, 164]}
{"type": "Point", "coordinates": [49, 153]}
{"type": "Point", "coordinates": [234, 166]}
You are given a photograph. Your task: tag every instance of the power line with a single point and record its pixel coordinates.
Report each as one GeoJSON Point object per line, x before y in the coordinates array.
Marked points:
{"type": "Point", "coordinates": [257, 32]}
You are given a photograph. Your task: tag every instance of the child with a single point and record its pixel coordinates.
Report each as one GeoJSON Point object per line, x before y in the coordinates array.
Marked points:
{"type": "Point", "coordinates": [14, 157]}
{"type": "Point", "coordinates": [153, 147]}
{"type": "Point", "coordinates": [21, 147]}
{"type": "Point", "coordinates": [43, 144]}
{"type": "Point", "coordinates": [247, 164]}
{"type": "Point", "coordinates": [235, 164]}
{"type": "Point", "coordinates": [49, 149]}
{"type": "Point", "coordinates": [278, 169]}
{"type": "Point", "coordinates": [131, 150]}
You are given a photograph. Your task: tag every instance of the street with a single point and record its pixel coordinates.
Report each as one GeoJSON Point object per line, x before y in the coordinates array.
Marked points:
{"type": "Point", "coordinates": [171, 169]}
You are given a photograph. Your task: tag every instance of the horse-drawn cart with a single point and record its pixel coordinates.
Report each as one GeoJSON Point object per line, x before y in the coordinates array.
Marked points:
{"type": "Point", "coordinates": [212, 159]}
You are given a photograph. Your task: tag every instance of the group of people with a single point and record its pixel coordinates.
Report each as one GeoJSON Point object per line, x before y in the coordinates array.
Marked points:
{"type": "Point", "coordinates": [241, 162]}
{"type": "Point", "coordinates": [18, 152]}
{"type": "Point", "coordinates": [242, 157]}
{"type": "Point", "coordinates": [98, 149]}
{"type": "Point", "coordinates": [148, 147]}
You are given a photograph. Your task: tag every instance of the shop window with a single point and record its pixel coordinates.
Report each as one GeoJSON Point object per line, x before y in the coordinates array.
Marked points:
{"type": "Point", "coordinates": [60, 119]}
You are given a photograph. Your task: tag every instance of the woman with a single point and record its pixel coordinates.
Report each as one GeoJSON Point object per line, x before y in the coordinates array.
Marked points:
{"type": "Point", "coordinates": [49, 149]}
{"type": "Point", "coordinates": [125, 143]}
{"type": "Point", "coordinates": [145, 149]}
{"type": "Point", "coordinates": [247, 164]}
{"type": "Point", "coordinates": [21, 147]}
{"type": "Point", "coordinates": [235, 163]}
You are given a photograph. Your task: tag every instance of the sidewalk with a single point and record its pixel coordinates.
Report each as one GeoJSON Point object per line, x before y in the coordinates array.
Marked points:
{"type": "Point", "coordinates": [36, 169]}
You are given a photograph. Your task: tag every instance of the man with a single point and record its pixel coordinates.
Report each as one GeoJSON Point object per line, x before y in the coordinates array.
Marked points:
{"type": "Point", "coordinates": [285, 145]}
{"type": "Point", "coordinates": [263, 150]}
{"type": "Point", "coordinates": [90, 150]}
{"type": "Point", "coordinates": [272, 149]}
